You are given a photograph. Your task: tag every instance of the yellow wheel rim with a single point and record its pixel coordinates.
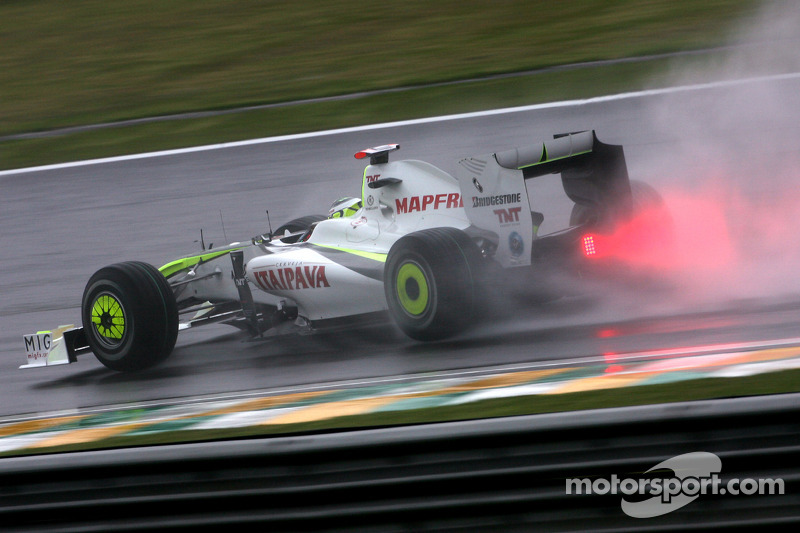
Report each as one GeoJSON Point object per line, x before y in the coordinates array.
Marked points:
{"type": "Point", "coordinates": [108, 318]}
{"type": "Point", "coordinates": [412, 289]}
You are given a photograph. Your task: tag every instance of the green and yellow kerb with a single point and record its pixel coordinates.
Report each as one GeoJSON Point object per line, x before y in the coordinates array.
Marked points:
{"type": "Point", "coordinates": [108, 318]}
{"type": "Point", "coordinates": [412, 289]}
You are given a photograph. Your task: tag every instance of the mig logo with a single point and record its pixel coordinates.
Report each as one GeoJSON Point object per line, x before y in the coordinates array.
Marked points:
{"type": "Point", "coordinates": [508, 216]}
{"type": "Point", "coordinates": [37, 346]}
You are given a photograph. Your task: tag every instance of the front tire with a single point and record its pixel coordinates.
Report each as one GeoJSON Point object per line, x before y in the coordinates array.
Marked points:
{"type": "Point", "coordinates": [129, 316]}
{"type": "Point", "coordinates": [432, 280]}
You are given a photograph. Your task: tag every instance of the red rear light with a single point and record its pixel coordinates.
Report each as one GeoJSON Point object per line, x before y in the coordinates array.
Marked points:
{"type": "Point", "coordinates": [589, 246]}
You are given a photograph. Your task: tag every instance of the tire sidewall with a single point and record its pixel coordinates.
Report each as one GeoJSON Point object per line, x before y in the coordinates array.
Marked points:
{"type": "Point", "coordinates": [150, 311]}
{"type": "Point", "coordinates": [451, 264]}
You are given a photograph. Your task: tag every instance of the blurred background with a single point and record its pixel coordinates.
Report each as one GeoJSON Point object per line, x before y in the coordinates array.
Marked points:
{"type": "Point", "coordinates": [75, 64]}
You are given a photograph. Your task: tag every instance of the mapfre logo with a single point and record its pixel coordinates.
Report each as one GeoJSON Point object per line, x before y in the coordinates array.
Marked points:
{"type": "Point", "coordinates": [292, 278]}
{"type": "Point", "coordinates": [427, 202]}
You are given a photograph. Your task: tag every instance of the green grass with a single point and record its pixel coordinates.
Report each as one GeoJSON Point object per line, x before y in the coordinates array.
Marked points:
{"type": "Point", "coordinates": [74, 63]}
{"type": "Point", "coordinates": [699, 389]}
{"type": "Point", "coordinates": [415, 103]}
{"type": "Point", "coordinates": [320, 116]}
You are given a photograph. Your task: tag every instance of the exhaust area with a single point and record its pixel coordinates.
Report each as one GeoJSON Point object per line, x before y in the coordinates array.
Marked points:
{"type": "Point", "coordinates": [729, 174]}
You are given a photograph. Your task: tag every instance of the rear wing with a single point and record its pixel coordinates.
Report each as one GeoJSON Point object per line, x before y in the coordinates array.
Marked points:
{"type": "Point", "coordinates": [594, 174]}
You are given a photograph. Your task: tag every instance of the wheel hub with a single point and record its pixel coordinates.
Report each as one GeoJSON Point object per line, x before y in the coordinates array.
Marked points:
{"type": "Point", "coordinates": [108, 318]}
{"type": "Point", "coordinates": [412, 289]}
{"type": "Point", "coordinates": [106, 321]}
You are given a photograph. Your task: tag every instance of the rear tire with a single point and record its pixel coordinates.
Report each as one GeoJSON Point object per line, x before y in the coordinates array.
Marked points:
{"type": "Point", "coordinates": [432, 283]}
{"type": "Point", "coordinates": [582, 215]}
{"type": "Point", "coordinates": [129, 316]}
{"type": "Point", "coordinates": [643, 197]}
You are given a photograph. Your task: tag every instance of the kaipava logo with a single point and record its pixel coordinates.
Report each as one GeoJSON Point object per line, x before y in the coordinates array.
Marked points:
{"type": "Point", "coordinates": [690, 469]}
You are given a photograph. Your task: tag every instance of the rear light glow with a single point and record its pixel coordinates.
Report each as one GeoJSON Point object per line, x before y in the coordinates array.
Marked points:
{"type": "Point", "coordinates": [589, 246]}
{"type": "Point", "coordinates": [644, 241]}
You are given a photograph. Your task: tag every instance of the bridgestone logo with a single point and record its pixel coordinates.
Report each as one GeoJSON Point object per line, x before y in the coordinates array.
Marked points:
{"type": "Point", "coordinates": [501, 199]}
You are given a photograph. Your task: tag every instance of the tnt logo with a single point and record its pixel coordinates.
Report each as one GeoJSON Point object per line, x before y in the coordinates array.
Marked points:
{"type": "Point", "coordinates": [508, 216]}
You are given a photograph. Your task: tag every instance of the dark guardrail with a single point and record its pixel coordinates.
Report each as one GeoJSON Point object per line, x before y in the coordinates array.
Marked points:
{"type": "Point", "coordinates": [506, 474]}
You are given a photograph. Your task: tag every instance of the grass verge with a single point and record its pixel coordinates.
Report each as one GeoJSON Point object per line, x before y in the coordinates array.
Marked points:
{"type": "Point", "coordinates": [545, 86]}
{"type": "Point", "coordinates": [75, 63]}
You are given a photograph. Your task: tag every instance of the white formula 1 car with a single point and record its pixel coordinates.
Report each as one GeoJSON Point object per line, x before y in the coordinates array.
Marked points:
{"type": "Point", "coordinates": [420, 244]}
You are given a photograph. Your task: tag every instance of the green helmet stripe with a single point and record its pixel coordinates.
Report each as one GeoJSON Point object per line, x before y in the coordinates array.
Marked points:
{"type": "Point", "coordinates": [375, 256]}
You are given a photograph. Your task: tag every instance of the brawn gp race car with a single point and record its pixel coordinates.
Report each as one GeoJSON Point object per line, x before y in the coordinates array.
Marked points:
{"type": "Point", "coordinates": [419, 244]}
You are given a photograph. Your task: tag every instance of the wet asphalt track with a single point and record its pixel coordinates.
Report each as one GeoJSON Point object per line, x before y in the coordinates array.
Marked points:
{"type": "Point", "coordinates": [59, 226]}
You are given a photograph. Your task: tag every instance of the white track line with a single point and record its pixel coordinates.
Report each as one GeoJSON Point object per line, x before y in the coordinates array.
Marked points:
{"type": "Point", "coordinates": [429, 120]}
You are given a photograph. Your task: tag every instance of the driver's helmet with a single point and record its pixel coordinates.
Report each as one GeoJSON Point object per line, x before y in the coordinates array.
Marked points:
{"type": "Point", "coordinates": [345, 207]}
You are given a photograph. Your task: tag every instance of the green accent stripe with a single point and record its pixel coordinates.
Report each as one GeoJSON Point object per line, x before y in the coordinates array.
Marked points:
{"type": "Point", "coordinates": [555, 159]}
{"type": "Point", "coordinates": [188, 262]}
{"type": "Point", "coordinates": [375, 256]}
{"type": "Point", "coordinates": [364, 186]}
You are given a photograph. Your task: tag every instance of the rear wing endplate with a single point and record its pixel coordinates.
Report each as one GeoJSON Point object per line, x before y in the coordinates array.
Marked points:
{"type": "Point", "coordinates": [593, 174]}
